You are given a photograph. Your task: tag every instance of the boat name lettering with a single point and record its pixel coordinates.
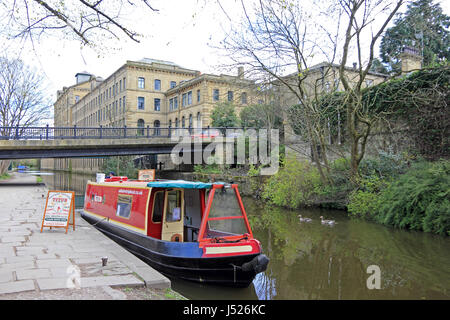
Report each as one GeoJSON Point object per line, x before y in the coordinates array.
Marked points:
{"type": "Point", "coordinates": [130, 191]}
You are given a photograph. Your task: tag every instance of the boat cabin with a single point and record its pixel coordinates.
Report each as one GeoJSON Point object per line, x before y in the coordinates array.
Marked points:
{"type": "Point", "coordinates": [173, 210]}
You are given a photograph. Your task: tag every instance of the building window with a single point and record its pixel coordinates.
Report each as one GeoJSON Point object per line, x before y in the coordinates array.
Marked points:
{"type": "Point", "coordinates": [175, 103]}
{"type": "Point", "coordinates": [170, 123]}
{"type": "Point", "coordinates": [176, 122]}
{"type": "Point", "coordinates": [184, 100]}
{"type": "Point", "coordinates": [216, 94]}
{"type": "Point", "coordinates": [141, 125]}
{"type": "Point", "coordinates": [170, 104]}
{"type": "Point", "coordinates": [141, 83]}
{"type": "Point", "coordinates": [199, 119]}
{"type": "Point", "coordinates": [157, 104]}
{"type": "Point", "coordinates": [244, 98]}
{"type": "Point", "coordinates": [189, 97]}
{"type": "Point", "coordinates": [124, 86]}
{"type": "Point", "coordinates": [198, 95]}
{"type": "Point", "coordinates": [230, 95]}
{"type": "Point", "coordinates": [156, 125]}
{"type": "Point", "coordinates": [173, 84]}
{"type": "Point", "coordinates": [183, 122]}
{"type": "Point", "coordinates": [157, 84]}
{"type": "Point", "coordinates": [190, 121]}
{"type": "Point", "coordinates": [141, 102]}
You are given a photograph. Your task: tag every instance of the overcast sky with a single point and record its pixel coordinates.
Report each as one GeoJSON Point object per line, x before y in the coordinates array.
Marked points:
{"type": "Point", "coordinates": [182, 32]}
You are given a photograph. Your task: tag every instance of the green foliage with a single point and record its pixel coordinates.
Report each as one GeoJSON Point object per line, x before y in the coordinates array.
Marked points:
{"type": "Point", "coordinates": [224, 115]}
{"type": "Point", "coordinates": [253, 171]}
{"type": "Point", "coordinates": [296, 184]}
{"type": "Point", "coordinates": [211, 167]}
{"type": "Point", "coordinates": [387, 164]}
{"type": "Point", "coordinates": [121, 166]}
{"type": "Point", "coordinates": [419, 99]}
{"type": "Point", "coordinates": [416, 200]}
{"type": "Point", "coordinates": [423, 22]}
{"type": "Point", "coordinates": [261, 116]}
{"type": "Point", "coordinates": [335, 194]}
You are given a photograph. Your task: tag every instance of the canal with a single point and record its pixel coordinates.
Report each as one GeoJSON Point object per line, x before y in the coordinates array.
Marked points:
{"type": "Point", "coordinates": [315, 261]}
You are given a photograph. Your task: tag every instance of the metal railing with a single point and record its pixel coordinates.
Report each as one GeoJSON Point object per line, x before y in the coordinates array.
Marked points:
{"type": "Point", "coordinates": [61, 133]}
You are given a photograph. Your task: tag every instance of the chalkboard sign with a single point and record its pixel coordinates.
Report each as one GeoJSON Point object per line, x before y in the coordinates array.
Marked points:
{"type": "Point", "coordinates": [59, 208]}
{"type": "Point", "coordinates": [146, 175]}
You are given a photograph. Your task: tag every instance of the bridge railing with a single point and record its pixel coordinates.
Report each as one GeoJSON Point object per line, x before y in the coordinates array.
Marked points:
{"type": "Point", "coordinates": [61, 133]}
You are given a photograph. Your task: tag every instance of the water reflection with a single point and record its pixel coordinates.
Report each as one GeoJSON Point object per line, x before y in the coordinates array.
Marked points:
{"type": "Point", "coordinates": [315, 261]}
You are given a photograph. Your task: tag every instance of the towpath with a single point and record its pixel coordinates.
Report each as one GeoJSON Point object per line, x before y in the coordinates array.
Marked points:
{"type": "Point", "coordinates": [56, 265]}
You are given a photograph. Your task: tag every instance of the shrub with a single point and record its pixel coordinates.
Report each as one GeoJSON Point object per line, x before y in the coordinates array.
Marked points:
{"type": "Point", "coordinates": [416, 200]}
{"type": "Point", "coordinates": [296, 184]}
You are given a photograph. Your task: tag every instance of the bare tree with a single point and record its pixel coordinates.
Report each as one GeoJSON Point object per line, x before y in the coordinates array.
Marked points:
{"type": "Point", "coordinates": [278, 42]}
{"type": "Point", "coordinates": [23, 102]}
{"type": "Point", "coordinates": [361, 17]}
{"type": "Point", "coordinates": [82, 19]}
{"type": "Point", "coordinates": [281, 43]}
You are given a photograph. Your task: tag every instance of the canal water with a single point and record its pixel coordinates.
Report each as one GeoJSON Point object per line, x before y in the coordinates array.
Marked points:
{"type": "Point", "coordinates": [315, 261]}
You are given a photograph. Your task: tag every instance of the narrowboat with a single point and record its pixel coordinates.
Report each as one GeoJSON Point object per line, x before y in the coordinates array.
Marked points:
{"type": "Point", "coordinates": [190, 230]}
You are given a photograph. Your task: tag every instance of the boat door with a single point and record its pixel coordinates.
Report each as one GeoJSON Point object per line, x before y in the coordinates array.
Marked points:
{"type": "Point", "coordinates": [173, 219]}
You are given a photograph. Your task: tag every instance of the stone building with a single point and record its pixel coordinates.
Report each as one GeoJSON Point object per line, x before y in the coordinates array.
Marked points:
{"type": "Point", "coordinates": [140, 94]}
{"type": "Point", "coordinates": [324, 77]}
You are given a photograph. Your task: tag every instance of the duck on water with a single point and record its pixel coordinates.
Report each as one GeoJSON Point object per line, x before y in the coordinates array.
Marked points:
{"type": "Point", "coordinates": [191, 230]}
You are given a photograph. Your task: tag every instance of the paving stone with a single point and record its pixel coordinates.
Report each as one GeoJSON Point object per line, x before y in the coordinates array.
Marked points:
{"type": "Point", "coordinates": [6, 276]}
{"type": "Point", "coordinates": [17, 266]}
{"type": "Point", "coordinates": [12, 239]}
{"type": "Point", "coordinates": [49, 263]}
{"type": "Point", "coordinates": [113, 281]}
{"type": "Point", "coordinates": [60, 272]}
{"type": "Point", "coordinates": [17, 286]}
{"type": "Point", "coordinates": [52, 283]}
{"type": "Point", "coordinates": [20, 259]}
{"type": "Point", "coordinates": [33, 274]}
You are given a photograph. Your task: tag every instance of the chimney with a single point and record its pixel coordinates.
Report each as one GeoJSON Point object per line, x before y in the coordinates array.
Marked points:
{"type": "Point", "coordinates": [411, 59]}
{"type": "Point", "coordinates": [240, 72]}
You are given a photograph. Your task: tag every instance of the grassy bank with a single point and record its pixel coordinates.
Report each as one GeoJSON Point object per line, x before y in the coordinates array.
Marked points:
{"type": "Point", "coordinates": [392, 190]}
{"type": "Point", "coordinates": [4, 176]}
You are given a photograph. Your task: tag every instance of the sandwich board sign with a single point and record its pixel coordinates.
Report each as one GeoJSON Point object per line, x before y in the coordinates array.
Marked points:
{"type": "Point", "coordinates": [59, 208]}
{"type": "Point", "coordinates": [146, 175]}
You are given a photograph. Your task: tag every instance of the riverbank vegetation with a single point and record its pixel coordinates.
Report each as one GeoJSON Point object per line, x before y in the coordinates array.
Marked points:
{"type": "Point", "coordinates": [392, 190]}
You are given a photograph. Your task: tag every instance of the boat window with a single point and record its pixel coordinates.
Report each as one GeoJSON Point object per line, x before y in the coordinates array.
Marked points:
{"type": "Point", "coordinates": [124, 206]}
{"type": "Point", "coordinates": [225, 208]}
{"type": "Point", "coordinates": [158, 206]}
{"type": "Point", "coordinates": [173, 206]}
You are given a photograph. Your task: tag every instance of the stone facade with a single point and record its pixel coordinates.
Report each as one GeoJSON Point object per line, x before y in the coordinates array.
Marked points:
{"type": "Point", "coordinates": [146, 93]}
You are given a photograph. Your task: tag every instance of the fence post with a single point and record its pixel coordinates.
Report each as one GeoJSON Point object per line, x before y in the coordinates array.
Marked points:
{"type": "Point", "coordinates": [124, 131]}
{"type": "Point", "coordinates": [17, 132]}
{"type": "Point", "coordinates": [101, 133]}
{"type": "Point", "coordinates": [148, 131]}
{"type": "Point", "coordinates": [75, 131]}
{"type": "Point", "coordinates": [170, 133]}
{"type": "Point", "coordinates": [46, 132]}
